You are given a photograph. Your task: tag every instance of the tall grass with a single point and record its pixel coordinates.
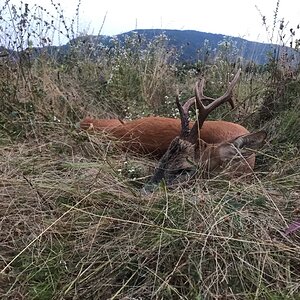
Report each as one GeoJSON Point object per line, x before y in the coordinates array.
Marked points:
{"type": "Point", "coordinates": [75, 223]}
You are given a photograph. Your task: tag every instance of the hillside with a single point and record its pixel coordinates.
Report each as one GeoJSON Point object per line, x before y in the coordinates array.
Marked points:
{"type": "Point", "coordinates": [191, 45]}
{"type": "Point", "coordinates": [195, 44]}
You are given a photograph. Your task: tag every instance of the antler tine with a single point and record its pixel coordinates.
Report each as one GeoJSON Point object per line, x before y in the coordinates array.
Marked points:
{"type": "Point", "coordinates": [228, 94]}
{"type": "Point", "coordinates": [204, 111]}
{"type": "Point", "coordinates": [188, 104]}
{"type": "Point", "coordinates": [201, 85]}
{"type": "Point", "coordinates": [200, 96]}
{"type": "Point", "coordinates": [184, 115]}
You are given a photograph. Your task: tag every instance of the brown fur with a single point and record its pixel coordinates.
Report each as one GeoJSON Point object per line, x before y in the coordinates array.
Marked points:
{"type": "Point", "coordinates": [153, 135]}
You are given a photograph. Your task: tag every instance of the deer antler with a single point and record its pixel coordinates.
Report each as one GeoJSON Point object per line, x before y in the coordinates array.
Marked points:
{"type": "Point", "coordinates": [205, 110]}
{"type": "Point", "coordinates": [184, 115]}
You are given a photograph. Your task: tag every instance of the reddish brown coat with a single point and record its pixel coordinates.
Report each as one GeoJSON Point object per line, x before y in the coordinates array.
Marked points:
{"type": "Point", "coordinates": [153, 135]}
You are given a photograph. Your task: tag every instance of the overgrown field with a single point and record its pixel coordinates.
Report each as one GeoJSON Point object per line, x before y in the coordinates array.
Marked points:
{"type": "Point", "coordinates": [75, 222]}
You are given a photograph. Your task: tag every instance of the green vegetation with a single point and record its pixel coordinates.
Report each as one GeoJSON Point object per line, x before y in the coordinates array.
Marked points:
{"type": "Point", "coordinates": [74, 221]}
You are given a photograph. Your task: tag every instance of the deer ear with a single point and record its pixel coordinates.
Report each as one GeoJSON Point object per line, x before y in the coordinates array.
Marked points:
{"type": "Point", "coordinates": [242, 145]}
{"type": "Point", "coordinates": [252, 140]}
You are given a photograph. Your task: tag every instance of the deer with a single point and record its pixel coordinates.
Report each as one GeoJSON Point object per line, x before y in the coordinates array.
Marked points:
{"type": "Point", "coordinates": [230, 146]}
{"type": "Point", "coordinates": [152, 135]}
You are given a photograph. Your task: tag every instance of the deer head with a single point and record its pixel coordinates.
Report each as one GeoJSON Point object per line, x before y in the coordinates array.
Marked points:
{"type": "Point", "coordinates": [188, 154]}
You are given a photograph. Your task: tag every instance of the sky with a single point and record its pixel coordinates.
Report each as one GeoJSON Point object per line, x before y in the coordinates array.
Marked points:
{"type": "Point", "coordinates": [239, 18]}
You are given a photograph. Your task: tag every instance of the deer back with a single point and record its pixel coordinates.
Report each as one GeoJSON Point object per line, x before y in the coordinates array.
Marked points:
{"type": "Point", "coordinates": [148, 135]}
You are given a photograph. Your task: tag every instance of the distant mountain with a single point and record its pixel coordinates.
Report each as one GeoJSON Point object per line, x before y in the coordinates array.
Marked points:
{"type": "Point", "coordinates": [192, 45]}
{"type": "Point", "coordinates": [195, 45]}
